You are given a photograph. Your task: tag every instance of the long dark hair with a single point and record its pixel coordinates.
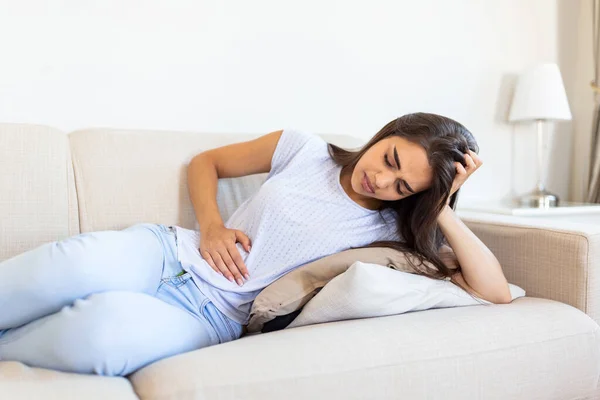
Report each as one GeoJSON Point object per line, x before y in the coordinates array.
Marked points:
{"type": "Point", "coordinates": [445, 142]}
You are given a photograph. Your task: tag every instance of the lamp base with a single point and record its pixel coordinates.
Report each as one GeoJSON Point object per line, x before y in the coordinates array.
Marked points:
{"type": "Point", "coordinates": [539, 199]}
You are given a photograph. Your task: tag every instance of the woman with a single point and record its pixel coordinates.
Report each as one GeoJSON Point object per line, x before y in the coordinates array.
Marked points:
{"type": "Point", "coordinates": [111, 302]}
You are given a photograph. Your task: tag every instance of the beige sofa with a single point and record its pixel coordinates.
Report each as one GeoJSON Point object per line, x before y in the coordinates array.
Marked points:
{"type": "Point", "coordinates": [543, 346]}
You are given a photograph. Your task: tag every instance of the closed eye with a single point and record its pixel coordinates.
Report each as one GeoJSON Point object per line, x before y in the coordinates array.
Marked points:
{"type": "Point", "coordinates": [388, 163]}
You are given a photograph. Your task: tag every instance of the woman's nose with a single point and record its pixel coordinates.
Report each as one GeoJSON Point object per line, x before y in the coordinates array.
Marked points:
{"type": "Point", "coordinates": [384, 179]}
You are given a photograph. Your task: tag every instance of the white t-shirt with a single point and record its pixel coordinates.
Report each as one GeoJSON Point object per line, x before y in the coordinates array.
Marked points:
{"type": "Point", "coordinates": [300, 214]}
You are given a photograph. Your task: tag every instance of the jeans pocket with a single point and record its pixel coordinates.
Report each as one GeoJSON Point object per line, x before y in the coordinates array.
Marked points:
{"type": "Point", "coordinates": [178, 280]}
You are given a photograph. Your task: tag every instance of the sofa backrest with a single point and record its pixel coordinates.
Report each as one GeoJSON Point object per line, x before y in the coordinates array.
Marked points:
{"type": "Point", "coordinates": [38, 202]}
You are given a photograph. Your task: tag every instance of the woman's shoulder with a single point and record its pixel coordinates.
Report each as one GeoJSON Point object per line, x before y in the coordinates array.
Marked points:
{"type": "Point", "coordinates": [295, 149]}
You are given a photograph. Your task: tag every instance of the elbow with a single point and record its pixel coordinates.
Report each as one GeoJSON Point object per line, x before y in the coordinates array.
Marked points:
{"type": "Point", "coordinates": [504, 298]}
{"type": "Point", "coordinates": [499, 294]}
{"type": "Point", "coordinates": [503, 301]}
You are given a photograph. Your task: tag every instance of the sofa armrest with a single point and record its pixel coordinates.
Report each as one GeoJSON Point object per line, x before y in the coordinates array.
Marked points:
{"type": "Point", "coordinates": [549, 258]}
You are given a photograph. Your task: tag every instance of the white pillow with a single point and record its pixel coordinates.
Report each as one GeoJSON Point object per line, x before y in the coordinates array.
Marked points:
{"type": "Point", "coordinates": [372, 290]}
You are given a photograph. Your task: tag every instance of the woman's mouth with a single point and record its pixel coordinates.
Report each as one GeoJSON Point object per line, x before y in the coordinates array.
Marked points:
{"type": "Point", "coordinates": [367, 185]}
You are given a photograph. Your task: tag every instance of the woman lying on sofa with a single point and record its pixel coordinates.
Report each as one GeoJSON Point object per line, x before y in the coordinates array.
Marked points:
{"type": "Point", "coordinates": [111, 302]}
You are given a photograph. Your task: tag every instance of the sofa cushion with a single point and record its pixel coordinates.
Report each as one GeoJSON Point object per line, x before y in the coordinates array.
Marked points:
{"type": "Point", "coordinates": [18, 381]}
{"type": "Point", "coordinates": [531, 348]}
{"type": "Point", "coordinates": [37, 201]}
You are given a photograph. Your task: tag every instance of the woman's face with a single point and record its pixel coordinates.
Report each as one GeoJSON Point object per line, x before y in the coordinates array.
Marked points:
{"type": "Point", "coordinates": [395, 168]}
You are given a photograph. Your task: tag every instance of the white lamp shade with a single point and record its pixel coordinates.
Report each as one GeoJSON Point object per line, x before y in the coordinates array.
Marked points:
{"type": "Point", "coordinates": [540, 94]}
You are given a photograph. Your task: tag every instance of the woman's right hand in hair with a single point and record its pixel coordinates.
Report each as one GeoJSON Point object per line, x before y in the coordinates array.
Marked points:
{"type": "Point", "coordinates": [217, 247]}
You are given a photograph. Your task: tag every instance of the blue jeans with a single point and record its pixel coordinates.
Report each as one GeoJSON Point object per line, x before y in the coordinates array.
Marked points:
{"type": "Point", "coordinates": [106, 302]}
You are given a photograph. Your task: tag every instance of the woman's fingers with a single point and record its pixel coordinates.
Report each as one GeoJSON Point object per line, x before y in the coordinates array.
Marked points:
{"type": "Point", "coordinates": [211, 262]}
{"type": "Point", "coordinates": [475, 158]}
{"type": "Point", "coordinates": [462, 173]}
{"type": "Point", "coordinates": [231, 266]}
{"type": "Point", "coordinates": [238, 261]}
{"type": "Point", "coordinates": [470, 163]}
{"type": "Point", "coordinates": [222, 263]}
{"type": "Point", "coordinates": [216, 256]}
{"type": "Point", "coordinates": [222, 266]}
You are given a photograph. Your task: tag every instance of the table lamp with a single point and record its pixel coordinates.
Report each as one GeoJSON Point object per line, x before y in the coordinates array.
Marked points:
{"type": "Point", "coordinates": [540, 96]}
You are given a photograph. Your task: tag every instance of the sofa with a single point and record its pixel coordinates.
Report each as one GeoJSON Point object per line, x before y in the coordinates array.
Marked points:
{"type": "Point", "coordinates": [546, 345]}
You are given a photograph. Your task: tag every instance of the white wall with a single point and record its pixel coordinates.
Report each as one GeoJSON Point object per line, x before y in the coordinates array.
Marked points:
{"type": "Point", "coordinates": [257, 66]}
